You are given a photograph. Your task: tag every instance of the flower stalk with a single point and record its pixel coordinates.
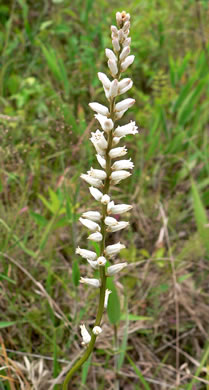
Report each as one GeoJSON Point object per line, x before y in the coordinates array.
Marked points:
{"type": "Point", "coordinates": [106, 143]}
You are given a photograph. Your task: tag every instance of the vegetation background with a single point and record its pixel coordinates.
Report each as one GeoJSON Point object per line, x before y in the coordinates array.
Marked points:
{"type": "Point", "coordinates": [157, 338]}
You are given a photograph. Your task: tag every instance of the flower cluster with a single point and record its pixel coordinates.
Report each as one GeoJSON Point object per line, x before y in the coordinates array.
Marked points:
{"type": "Point", "coordinates": [105, 141]}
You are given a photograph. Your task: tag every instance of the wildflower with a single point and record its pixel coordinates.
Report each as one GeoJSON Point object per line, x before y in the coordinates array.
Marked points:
{"type": "Point", "coordinates": [97, 330]}
{"type": "Point", "coordinates": [86, 254]}
{"type": "Point", "coordinates": [112, 250]}
{"type": "Point", "coordinates": [107, 293]}
{"type": "Point", "coordinates": [114, 269]}
{"type": "Point", "coordinates": [85, 335]}
{"type": "Point", "coordinates": [91, 225]}
{"type": "Point", "coordinates": [97, 237]}
{"type": "Point", "coordinates": [92, 215]}
{"type": "Point", "coordinates": [91, 282]}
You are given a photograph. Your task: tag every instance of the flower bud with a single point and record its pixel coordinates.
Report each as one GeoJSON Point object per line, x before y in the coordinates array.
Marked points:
{"type": "Point", "coordinates": [127, 42]}
{"type": "Point", "coordinates": [101, 261]}
{"type": "Point", "coordinates": [106, 123]}
{"type": "Point", "coordinates": [93, 264]}
{"type": "Point", "coordinates": [119, 226]}
{"type": "Point", "coordinates": [118, 152]}
{"type": "Point", "coordinates": [113, 89]}
{"type": "Point", "coordinates": [85, 335]}
{"type": "Point", "coordinates": [110, 221]}
{"type": "Point", "coordinates": [90, 282]}
{"type": "Point", "coordinates": [105, 199]}
{"type": "Point", "coordinates": [124, 104]}
{"type": "Point", "coordinates": [113, 69]}
{"type": "Point", "coordinates": [119, 19]}
{"type": "Point", "coordinates": [112, 250]}
{"type": "Point", "coordinates": [99, 108]}
{"type": "Point", "coordinates": [96, 193]}
{"type": "Point", "coordinates": [107, 293]}
{"type": "Point", "coordinates": [90, 224]}
{"type": "Point", "coordinates": [122, 131]}
{"type": "Point", "coordinates": [116, 45]}
{"type": "Point", "coordinates": [97, 173]}
{"type": "Point", "coordinates": [119, 175]}
{"type": "Point", "coordinates": [97, 237]}
{"type": "Point", "coordinates": [125, 52]}
{"type": "Point", "coordinates": [122, 164]}
{"type": "Point", "coordinates": [118, 209]}
{"type": "Point", "coordinates": [114, 31]}
{"type": "Point", "coordinates": [91, 180]}
{"type": "Point", "coordinates": [124, 85]}
{"type": "Point", "coordinates": [92, 215]}
{"type": "Point", "coordinates": [114, 269]}
{"type": "Point", "coordinates": [104, 80]}
{"type": "Point", "coordinates": [97, 330]}
{"type": "Point", "coordinates": [127, 62]}
{"type": "Point", "coordinates": [101, 161]}
{"type": "Point", "coordinates": [86, 254]}
{"type": "Point", "coordinates": [110, 55]}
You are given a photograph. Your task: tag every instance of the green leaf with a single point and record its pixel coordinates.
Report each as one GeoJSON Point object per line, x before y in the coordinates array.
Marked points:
{"type": "Point", "coordinates": [5, 324]}
{"type": "Point", "coordinates": [133, 317]}
{"type": "Point", "coordinates": [75, 273]}
{"type": "Point", "coordinates": [200, 217]}
{"type": "Point", "coordinates": [113, 308]}
{"type": "Point", "coordinates": [85, 369]}
{"type": "Point", "coordinates": [138, 372]}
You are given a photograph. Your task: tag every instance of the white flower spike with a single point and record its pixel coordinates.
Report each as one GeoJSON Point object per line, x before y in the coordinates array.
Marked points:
{"type": "Point", "coordinates": [106, 141]}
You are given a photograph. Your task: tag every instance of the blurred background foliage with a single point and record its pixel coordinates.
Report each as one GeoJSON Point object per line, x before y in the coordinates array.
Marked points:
{"type": "Point", "coordinates": [51, 52]}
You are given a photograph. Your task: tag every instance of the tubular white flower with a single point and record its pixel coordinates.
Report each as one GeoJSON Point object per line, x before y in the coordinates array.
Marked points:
{"type": "Point", "coordinates": [97, 237]}
{"type": "Point", "coordinates": [112, 250]}
{"type": "Point", "coordinates": [105, 199]}
{"type": "Point", "coordinates": [85, 335]}
{"type": "Point", "coordinates": [96, 193]}
{"type": "Point", "coordinates": [97, 173]}
{"type": "Point", "coordinates": [116, 44]}
{"type": "Point", "coordinates": [86, 254]}
{"type": "Point", "coordinates": [91, 180]}
{"type": "Point", "coordinates": [104, 80]}
{"type": "Point", "coordinates": [97, 330]}
{"type": "Point", "coordinates": [93, 264]}
{"type": "Point", "coordinates": [98, 139]}
{"type": "Point", "coordinates": [99, 108]}
{"type": "Point", "coordinates": [119, 19]}
{"type": "Point", "coordinates": [126, 27]}
{"type": "Point", "coordinates": [127, 42]}
{"type": "Point", "coordinates": [90, 224]}
{"type": "Point", "coordinates": [113, 69]}
{"type": "Point", "coordinates": [113, 89]}
{"type": "Point", "coordinates": [107, 293]}
{"type": "Point", "coordinates": [122, 131]}
{"type": "Point", "coordinates": [114, 31]}
{"type": "Point", "coordinates": [124, 104]}
{"type": "Point", "coordinates": [125, 52]}
{"type": "Point", "coordinates": [116, 140]}
{"type": "Point", "coordinates": [118, 152]}
{"type": "Point", "coordinates": [127, 62]}
{"type": "Point", "coordinates": [121, 36]}
{"type": "Point", "coordinates": [122, 164]}
{"type": "Point", "coordinates": [118, 208]}
{"type": "Point", "coordinates": [114, 269]}
{"type": "Point", "coordinates": [110, 221]}
{"type": "Point", "coordinates": [125, 86]}
{"type": "Point", "coordinates": [101, 261]}
{"type": "Point", "coordinates": [106, 123]}
{"type": "Point", "coordinates": [90, 282]}
{"type": "Point", "coordinates": [92, 215]}
{"type": "Point", "coordinates": [119, 175]}
{"type": "Point", "coordinates": [119, 114]}
{"type": "Point", "coordinates": [101, 161]}
{"type": "Point", "coordinates": [110, 55]}
{"type": "Point", "coordinates": [119, 226]}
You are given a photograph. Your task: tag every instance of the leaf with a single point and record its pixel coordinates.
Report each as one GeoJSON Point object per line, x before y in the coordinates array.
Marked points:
{"type": "Point", "coordinates": [39, 219]}
{"type": "Point", "coordinates": [75, 273]}
{"type": "Point", "coordinates": [200, 217]}
{"type": "Point", "coordinates": [113, 308]}
{"type": "Point", "coordinates": [5, 324]}
{"type": "Point", "coordinates": [123, 346]}
{"type": "Point", "coordinates": [138, 372]}
{"type": "Point", "coordinates": [85, 369]}
{"type": "Point", "coordinates": [133, 317]}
